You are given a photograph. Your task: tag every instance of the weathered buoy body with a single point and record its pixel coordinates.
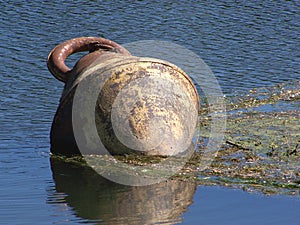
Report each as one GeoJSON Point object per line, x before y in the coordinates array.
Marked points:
{"type": "Point", "coordinates": [117, 103]}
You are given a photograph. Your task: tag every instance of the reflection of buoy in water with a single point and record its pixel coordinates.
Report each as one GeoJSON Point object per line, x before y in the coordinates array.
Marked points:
{"type": "Point", "coordinates": [95, 198]}
{"type": "Point", "coordinates": [142, 105]}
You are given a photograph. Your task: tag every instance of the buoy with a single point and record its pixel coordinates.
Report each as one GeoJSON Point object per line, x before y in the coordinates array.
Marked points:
{"type": "Point", "coordinates": [119, 103]}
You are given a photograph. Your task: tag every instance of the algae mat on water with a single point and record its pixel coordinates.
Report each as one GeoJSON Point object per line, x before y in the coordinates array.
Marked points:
{"type": "Point", "coordinates": [262, 141]}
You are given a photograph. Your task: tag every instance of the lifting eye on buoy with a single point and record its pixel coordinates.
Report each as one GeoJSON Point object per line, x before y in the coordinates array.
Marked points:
{"type": "Point", "coordinates": [56, 58]}
{"type": "Point", "coordinates": [131, 105]}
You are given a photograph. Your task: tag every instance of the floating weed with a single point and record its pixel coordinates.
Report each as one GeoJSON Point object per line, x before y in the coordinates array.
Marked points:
{"type": "Point", "coordinates": [261, 150]}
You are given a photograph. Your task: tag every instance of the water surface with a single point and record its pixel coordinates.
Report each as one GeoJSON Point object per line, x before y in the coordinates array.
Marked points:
{"type": "Point", "coordinates": [246, 44]}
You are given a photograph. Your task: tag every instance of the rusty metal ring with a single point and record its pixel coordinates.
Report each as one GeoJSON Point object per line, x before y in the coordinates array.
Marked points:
{"type": "Point", "coordinates": [56, 58]}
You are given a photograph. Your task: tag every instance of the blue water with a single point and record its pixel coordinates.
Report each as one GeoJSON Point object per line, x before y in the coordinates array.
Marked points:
{"type": "Point", "coordinates": [215, 205]}
{"type": "Point", "coordinates": [246, 44]}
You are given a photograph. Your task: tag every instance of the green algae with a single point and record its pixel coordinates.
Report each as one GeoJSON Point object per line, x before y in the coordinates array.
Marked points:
{"type": "Point", "coordinates": [268, 133]}
{"type": "Point", "coordinates": [262, 141]}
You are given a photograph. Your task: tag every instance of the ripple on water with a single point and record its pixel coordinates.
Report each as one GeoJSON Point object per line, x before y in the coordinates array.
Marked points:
{"type": "Point", "coordinates": [246, 45]}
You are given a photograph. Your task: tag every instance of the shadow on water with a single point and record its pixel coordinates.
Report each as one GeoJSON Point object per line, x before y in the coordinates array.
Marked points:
{"type": "Point", "coordinates": [99, 200]}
